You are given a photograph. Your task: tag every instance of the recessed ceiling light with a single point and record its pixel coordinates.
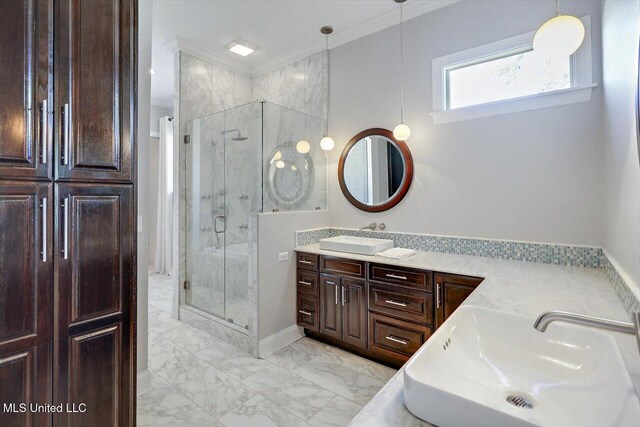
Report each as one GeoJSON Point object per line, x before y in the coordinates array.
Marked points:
{"type": "Point", "coordinates": [241, 47]}
{"type": "Point", "coordinates": [152, 72]}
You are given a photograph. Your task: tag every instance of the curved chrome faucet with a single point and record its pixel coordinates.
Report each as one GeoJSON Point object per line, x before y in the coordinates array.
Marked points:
{"type": "Point", "coordinates": [547, 318]}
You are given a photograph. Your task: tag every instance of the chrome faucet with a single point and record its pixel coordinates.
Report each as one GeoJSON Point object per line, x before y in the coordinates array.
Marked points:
{"type": "Point", "coordinates": [373, 226]}
{"type": "Point", "coordinates": [547, 318]}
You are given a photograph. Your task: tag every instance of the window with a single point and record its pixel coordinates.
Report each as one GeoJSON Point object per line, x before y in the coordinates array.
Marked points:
{"type": "Point", "coordinates": [507, 77]}
{"type": "Point", "coordinates": [511, 76]}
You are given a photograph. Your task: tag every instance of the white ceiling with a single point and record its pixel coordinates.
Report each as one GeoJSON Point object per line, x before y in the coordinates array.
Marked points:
{"type": "Point", "coordinates": [282, 30]}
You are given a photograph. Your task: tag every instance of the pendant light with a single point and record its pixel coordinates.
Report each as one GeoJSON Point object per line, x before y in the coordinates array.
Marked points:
{"type": "Point", "coordinates": [401, 132]}
{"type": "Point", "coordinates": [560, 36]}
{"type": "Point", "coordinates": [327, 143]}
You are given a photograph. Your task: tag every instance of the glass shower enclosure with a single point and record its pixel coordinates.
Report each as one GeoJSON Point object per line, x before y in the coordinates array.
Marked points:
{"type": "Point", "coordinates": [238, 162]}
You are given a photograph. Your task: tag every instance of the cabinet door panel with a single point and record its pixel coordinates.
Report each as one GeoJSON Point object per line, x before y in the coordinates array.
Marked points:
{"type": "Point", "coordinates": [25, 300]}
{"type": "Point", "coordinates": [95, 82]}
{"type": "Point", "coordinates": [24, 85]}
{"type": "Point", "coordinates": [330, 309]}
{"type": "Point", "coordinates": [452, 290]}
{"type": "Point", "coordinates": [94, 325]}
{"type": "Point", "coordinates": [98, 386]}
{"type": "Point", "coordinates": [354, 312]}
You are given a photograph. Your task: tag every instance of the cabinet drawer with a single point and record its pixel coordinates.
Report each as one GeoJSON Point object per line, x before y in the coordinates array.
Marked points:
{"type": "Point", "coordinates": [307, 283]}
{"type": "Point", "coordinates": [346, 267]}
{"type": "Point", "coordinates": [307, 261]}
{"type": "Point", "coordinates": [402, 276]}
{"type": "Point", "coordinates": [308, 315]}
{"type": "Point", "coordinates": [395, 338]}
{"type": "Point", "coordinates": [401, 302]}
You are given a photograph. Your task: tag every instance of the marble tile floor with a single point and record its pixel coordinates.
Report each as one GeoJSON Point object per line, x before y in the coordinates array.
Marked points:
{"type": "Point", "coordinates": [198, 380]}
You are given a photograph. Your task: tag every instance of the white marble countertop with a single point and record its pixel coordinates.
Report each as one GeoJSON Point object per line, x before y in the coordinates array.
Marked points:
{"type": "Point", "coordinates": [519, 287]}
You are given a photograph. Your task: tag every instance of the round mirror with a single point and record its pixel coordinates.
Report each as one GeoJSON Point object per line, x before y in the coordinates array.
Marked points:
{"type": "Point", "coordinates": [375, 170]}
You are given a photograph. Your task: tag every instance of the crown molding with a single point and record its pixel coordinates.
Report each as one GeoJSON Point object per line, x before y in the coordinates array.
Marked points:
{"type": "Point", "coordinates": [179, 44]}
{"type": "Point", "coordinates": [412, 9]}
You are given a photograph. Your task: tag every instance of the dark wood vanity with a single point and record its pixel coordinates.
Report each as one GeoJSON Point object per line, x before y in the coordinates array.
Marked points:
{"type": "Point", "coordinates": [378, 311]}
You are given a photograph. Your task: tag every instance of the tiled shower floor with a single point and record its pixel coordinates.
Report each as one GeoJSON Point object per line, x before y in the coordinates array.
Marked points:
{"type": "Point", "coordinates": [198, 380]}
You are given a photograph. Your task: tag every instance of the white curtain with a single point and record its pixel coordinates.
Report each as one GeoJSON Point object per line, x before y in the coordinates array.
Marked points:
{"type": "Point", "coordinates": [164, 230]}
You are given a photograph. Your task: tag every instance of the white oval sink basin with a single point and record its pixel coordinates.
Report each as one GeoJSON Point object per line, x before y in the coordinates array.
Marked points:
{"type": "Point", "coordinates": [356, 245]}
{"type": "Point", "coordinates": [479, 359]}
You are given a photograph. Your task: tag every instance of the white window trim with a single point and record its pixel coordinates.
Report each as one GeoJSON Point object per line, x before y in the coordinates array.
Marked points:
{"type": "Point", "coordinates": [580, 91]}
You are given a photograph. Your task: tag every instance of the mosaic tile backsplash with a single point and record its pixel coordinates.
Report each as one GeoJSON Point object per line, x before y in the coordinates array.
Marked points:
{"type": "Point", "coordinates": [581, 256]}
{"type": "Point", "coordinates": [630, 302]}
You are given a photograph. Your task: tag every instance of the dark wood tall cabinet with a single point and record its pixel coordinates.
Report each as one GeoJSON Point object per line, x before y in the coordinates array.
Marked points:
{"type": "Point", "coordinates": [67, 211]}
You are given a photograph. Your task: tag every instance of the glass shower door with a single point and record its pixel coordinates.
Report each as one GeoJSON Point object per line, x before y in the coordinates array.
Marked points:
{"type": "Point", "coordinates": [223, 188]}
{"type": "Point", "coordinates": [205, 214]}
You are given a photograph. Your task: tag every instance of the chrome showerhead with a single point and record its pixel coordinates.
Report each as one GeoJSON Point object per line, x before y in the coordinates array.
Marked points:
{"type": "Point", "coordinates": [239, 137]}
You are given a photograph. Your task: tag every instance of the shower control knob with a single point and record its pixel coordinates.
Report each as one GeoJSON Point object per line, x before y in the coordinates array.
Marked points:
{"type": "Point", "coordinates": [382, 226]}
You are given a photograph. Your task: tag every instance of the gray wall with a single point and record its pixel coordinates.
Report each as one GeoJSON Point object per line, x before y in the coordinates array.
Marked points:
{"type": "Point", "coordinates": [155, 113]}
{"type": "Point", "coordinates": [277, 280]}
{"type": "Point", "coordinates": [533, 176]}
{"type": "Point", "coordinates": [622, 178]}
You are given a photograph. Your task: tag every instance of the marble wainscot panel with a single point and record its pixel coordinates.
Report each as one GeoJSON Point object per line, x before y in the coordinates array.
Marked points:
{"type": "Point", "coordinates": [525, 288]}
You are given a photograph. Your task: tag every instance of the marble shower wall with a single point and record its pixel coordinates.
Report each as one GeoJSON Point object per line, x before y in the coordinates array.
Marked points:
{"type": "Point", "coordinates": [302, 86]}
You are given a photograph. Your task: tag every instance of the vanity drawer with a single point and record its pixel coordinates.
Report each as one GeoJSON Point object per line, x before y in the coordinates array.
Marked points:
{"type": "Point", "coordinates": [400, 302]}
{"type": "Point", "coordinates": [307, 261]}
{"type": "Point", "coordinates": [402, 276]}
{"type": "Point", "coordinates": [307, 283]}
{"type": "Point", "coordinates": [345, 267]}
{"type": "Point", "coordinates": [308, 315]}
{"type": "Point", "coordinates": [395, 338]}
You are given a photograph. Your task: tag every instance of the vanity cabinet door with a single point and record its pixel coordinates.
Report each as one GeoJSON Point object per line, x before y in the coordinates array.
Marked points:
{"type": "Point", "coordinates": [330, 307]}
{"type": "Point", "coordinates": [451, 291]}
{"type": "Point", "coordinates": [354, 312]}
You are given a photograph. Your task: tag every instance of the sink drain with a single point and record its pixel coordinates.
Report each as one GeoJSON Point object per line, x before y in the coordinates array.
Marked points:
{"type": "Point", "coordinates": [519, 401]}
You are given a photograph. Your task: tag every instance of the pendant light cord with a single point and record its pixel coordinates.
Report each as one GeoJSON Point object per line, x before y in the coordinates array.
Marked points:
{"type": "Point", "coordinates": [401, 68]}
{"type": "Point", "coordinates": [326, 38]}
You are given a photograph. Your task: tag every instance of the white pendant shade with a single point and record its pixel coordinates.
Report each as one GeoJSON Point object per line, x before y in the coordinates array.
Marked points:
{"type": "Point", "coordinates": [327, 143]}
{"type": "Point", "coordinates": [303, 147]}
{"type": "Point", "coordinates": [559, 37]}
{"type": "Point", "coordinates": [401, 132]}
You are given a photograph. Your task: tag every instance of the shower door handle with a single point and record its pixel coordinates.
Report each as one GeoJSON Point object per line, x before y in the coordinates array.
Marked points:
{"type": "Point", "coordinates": [215, 223]}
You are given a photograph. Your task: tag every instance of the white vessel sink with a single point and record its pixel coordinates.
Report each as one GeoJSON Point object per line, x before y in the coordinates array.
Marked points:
{"type": "Point", "coordinates": [571, 375]}
{"type": "Point", "coordinates": [356, 245]}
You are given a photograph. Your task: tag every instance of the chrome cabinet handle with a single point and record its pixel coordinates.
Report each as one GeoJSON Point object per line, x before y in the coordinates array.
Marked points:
{"type": "Point", "coordinates": [306, 313]}
{"type": "Point", "coordinates": [215, 224]}
{"type": "Point", "coordinates": [44, 129]}
{"type": "Point", "coordinates": [438, 295]}
{"type": "Point", "coordinates": [65, 239]}
{"type": "Point", "coordinates": [395, 339]}
{"type": "Point", "coordinates": [304, 261]}
{"type": "Point", "coordinates": [398, 303]}
{"type": "Point", "coordinates": [343, 288]}
{"type": "Point", "coordinates": [395, 276]}
{"type": "Point", "coordinates": [336, 293]}
{"type": "Point", "coordinates": [66, 126]}
{"type": "Point", "coordinates": [302, 282]}
{"type": "Point", "coordinates": [43, 205]}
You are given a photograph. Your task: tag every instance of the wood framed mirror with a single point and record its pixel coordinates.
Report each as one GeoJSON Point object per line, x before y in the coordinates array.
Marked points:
{"type": "Point", "coordinates": [375, 170]}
